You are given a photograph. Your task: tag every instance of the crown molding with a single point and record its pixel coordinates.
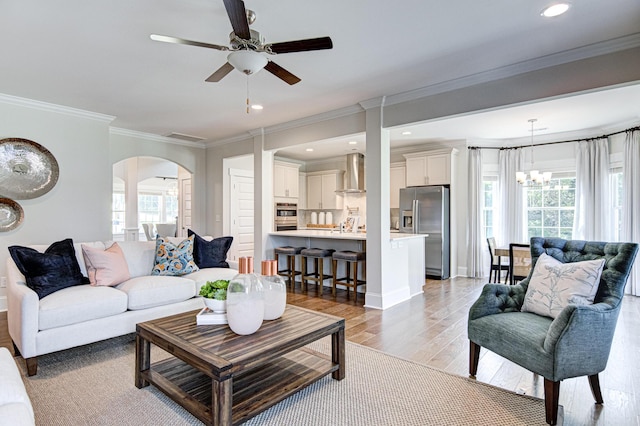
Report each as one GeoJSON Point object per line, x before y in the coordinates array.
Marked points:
{"type": "Point", "coordinates": [585, 52]}
{"type": "Point", "coordinates": [153, 137]}
{"type": "Point", "coordinates": [59, 109]}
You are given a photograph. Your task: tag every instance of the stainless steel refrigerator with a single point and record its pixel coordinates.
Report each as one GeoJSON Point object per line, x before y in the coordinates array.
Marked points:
{"type": "Point", "coordinates": [425, 210]}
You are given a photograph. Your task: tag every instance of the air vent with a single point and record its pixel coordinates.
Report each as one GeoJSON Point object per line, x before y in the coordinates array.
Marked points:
{"type": "Point", "coordinates": [184, 137]}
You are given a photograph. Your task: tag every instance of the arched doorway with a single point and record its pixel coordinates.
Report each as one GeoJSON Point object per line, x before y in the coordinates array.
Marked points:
{"type": "Point", "coordinates": [150, 191]}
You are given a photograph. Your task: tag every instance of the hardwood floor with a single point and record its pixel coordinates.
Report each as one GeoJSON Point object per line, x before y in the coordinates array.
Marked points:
{"type": "Point", "coordinates": [431, 329]}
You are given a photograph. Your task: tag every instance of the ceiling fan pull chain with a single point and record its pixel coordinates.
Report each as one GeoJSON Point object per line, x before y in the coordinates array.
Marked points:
{"type": "Point", "coordinates": [248, 109]}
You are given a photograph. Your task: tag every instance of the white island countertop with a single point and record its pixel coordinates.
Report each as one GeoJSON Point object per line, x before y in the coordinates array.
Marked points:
{"type": "Point", "coordinates": [336, 235]}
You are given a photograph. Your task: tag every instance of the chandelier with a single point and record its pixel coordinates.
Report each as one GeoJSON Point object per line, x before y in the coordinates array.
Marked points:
{"type": "Point", "coordinates": [535, 177]}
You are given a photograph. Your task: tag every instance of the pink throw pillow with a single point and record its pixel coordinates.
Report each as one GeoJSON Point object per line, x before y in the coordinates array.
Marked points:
{"type": "Point", "coordinates": [105, 267]}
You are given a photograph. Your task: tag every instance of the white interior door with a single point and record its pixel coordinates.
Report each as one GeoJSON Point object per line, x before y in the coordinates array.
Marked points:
{"type": "Point", "coordinates": [241, 213]}
{"type": "Point", "coordinates": [184, 213]}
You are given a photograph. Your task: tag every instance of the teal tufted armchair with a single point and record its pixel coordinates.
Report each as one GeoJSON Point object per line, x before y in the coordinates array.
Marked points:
{"type": "Point", "coordinates": [576, 343]}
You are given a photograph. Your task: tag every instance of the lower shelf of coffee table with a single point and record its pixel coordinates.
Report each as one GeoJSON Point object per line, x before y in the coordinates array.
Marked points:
{"type": "Point", "coordinates": [253, 391]}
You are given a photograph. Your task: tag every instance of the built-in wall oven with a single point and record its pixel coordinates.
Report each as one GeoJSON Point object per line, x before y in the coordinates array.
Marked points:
{"type": "Point", "coordinates": [286, 217]}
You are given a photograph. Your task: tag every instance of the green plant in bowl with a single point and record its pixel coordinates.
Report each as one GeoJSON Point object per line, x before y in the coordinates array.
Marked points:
{"type": "Point", "coordinates": [215, 290]}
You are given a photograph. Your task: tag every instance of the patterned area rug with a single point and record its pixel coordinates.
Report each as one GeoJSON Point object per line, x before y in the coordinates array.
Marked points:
{"type": "Point", "coordinates": [94, 385]}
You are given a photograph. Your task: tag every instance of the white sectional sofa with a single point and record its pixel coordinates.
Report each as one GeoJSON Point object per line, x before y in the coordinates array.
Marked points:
{"type": "Point", "coordinates": [15, 406]}
{"type": "Point", "coordinates": [85, 314]}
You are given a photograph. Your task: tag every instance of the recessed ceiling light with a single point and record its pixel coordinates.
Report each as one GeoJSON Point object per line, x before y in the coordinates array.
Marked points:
{"type": "Point", "coordinates": [256, 106]}
{"type": "Point", "coordinates": [309, 149]}
{"type": "Point", "coordinates": [555, 10]}
{"type": "Point", "coordinates": [406, 133]}
{"type": "Point", "coordinates": [353, 142]}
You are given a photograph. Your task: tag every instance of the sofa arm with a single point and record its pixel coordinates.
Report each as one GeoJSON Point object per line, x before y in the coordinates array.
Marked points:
{"type": "Point", "coordinates": [15, 406]}
{"type": "Point", "coordinates": [576, 329]}
{"type": "Point", "coordinates": [22, 314]}
{"type": "Point", "coordinates": [497, 298]}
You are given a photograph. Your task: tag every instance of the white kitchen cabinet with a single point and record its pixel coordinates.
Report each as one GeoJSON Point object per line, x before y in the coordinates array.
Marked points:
{"type": "Point", "coordinates": [430, 167]}
{"type": "Point", "coordinates": [398, 181]}
{"type": "Point", "coordinates": [285, 180]}
{"type": "Point", "coordinates": [321, 190]}
{"type": "Point", "coordinates": [302, 190]}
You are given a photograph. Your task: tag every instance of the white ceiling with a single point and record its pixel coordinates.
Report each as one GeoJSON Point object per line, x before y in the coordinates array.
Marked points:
{"type": "Point", "coordinates": [97, 56]}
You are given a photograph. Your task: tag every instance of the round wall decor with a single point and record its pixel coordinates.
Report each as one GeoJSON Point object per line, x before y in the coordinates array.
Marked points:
{"type": "Point", "coordinates": [27, 169]}
{"type": "Point", "coordinates": [11, 214]}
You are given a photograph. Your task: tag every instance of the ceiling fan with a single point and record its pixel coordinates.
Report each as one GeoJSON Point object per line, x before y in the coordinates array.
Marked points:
{"type": "Point", "coordinates": [247, 46]}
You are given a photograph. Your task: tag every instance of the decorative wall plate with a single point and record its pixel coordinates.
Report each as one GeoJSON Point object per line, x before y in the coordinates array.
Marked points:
{"type": "Point", "coordinates": [27, 169]}
{"type": "Point", "coordinates": [11, 214]}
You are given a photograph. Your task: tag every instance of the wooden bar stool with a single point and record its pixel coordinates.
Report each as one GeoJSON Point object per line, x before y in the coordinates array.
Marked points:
{"type": "Point", "coordinates": [317, 255]}
{"type": "Point", "coordinates": [289, 271]}
{"type": "Point", "coordinates": [350, 281]}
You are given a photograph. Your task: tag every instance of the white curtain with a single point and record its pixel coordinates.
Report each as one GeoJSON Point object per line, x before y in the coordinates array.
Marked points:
{"type": "Point", "coordinates": [592, 220]}
{"type": "Point", "coordinates": [630, 231]}
{"type": "Point", "coordinates": [509, 226]}
{"type": "Point", "coordinates": [475, 236]}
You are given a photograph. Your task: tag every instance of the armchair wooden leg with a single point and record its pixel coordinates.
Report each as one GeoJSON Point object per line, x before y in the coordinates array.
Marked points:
{"type": "Point", "coordinates": [32, 366]}
{"type": "Point", "coordinates": [474, 358]}
{"type": "Point", "coordinates": [551, 396]}
{"type": "Point", "coordinates": [594, 382]}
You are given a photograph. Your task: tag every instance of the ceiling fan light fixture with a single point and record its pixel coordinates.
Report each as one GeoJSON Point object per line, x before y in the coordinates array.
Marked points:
{"type": "Point", "coordinates": [555, 10]}
{"type": "Point", "coordinates": [247, 61]}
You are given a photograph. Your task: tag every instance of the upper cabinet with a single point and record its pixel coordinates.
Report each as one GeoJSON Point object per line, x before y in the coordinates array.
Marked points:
{"type": "Point", "coordinates": [285, 180]}
{"type": "Point", "coordinates": [321, 190]}
{"type": "Point", "coordinates": [429, 168]}
{"type": "Point", "coordinates": [398, 181]}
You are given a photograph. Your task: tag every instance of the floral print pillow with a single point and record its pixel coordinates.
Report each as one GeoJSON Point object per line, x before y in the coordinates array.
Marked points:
{"type": "Point", "coordinates": [174, 259]}
{"type": "Point", "coordinates": [554, 285]}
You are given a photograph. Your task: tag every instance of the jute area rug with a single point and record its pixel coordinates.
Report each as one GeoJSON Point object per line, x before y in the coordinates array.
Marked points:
{"type": "Point", "coordinates": [94, 385]}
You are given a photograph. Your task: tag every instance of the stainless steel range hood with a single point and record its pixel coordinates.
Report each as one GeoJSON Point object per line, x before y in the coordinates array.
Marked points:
{"type": "Point", "coordinates": [355, 174]}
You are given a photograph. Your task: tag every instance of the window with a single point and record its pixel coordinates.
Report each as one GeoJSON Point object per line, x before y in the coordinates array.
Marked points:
{"type": "Point", "coordinates": [490, 188]}
{"type": "Point", "coordinates": [550, 209]}
{"type": "Point", "coordinates": [157, 207]}
{"type": "Point", "coordinates": [117, 213]}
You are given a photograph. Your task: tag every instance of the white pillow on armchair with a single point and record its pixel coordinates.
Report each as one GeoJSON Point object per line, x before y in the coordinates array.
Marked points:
{"type": "Point", "coordinates": [554, 285]}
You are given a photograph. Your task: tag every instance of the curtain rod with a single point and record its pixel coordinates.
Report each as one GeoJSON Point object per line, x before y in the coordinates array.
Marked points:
{"type": "Point", "coordinates": [558, 142]}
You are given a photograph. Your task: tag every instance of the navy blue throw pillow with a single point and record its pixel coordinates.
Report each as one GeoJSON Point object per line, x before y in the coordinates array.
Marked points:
{"type": "Point", "coordinates": [48, 272]}
{"type": "Point", "coordinates": [210, 254]}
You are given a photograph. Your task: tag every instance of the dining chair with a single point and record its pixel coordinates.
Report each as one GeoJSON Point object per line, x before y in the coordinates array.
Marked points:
{"type": "Point", "coordinates": [497, 266]}
{"type": "Point", "coordinates": [166, 229]}
{"type": "Point", "coordinates": [148, 231]}
{"type": "Point", "coordinates": [519, 262]}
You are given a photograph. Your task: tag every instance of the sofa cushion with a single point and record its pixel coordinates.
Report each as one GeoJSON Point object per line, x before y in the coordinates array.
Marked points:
{"type": "Point", "coordinates": [210, 253]}
{"type": "Point", "coordinates": [79, 304]}
{"type": "Point", "coordinates": [554, 285]}
{"type": "Point", "coordinates": [174, 259]}
{"type": "Point", "coordinates": [140, 256]}
{"type": "Point", "coordinates": [48, 272]}
{"type": "Point", "coordinates": [151, 291]}
{"type": "Point", "coordinates": [210, 274]}
{"type": "Point", "coordinates": [105, 267]}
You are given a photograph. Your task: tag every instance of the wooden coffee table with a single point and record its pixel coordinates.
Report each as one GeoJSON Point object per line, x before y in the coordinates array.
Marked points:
{"type": "Point", "coordinates": [223, 378]}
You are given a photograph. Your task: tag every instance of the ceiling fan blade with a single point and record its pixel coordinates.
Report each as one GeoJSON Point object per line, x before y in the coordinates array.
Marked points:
{"type": "Point", "coordinates": [220, 73]}
{"type": "Point", "coordinates": [238, 17]}
{"type": "Point", "coordinates": [281, 73]}
{"type": "Point", "coordinates": [176, 40]}
{"type": "Point", "coordinates": [319, 43]}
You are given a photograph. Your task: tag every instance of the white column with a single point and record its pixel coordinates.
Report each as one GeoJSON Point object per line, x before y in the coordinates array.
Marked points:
{"type": "Point", "coordinates": [131, 199]}
{"type": "Point", "coordinates": [386, 280]}
{"type": "Point", "coordinates": [263, 198]}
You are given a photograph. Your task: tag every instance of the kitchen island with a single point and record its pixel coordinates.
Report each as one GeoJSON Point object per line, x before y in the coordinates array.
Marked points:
{"type": "Point", "coordinates": [406, 254]}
